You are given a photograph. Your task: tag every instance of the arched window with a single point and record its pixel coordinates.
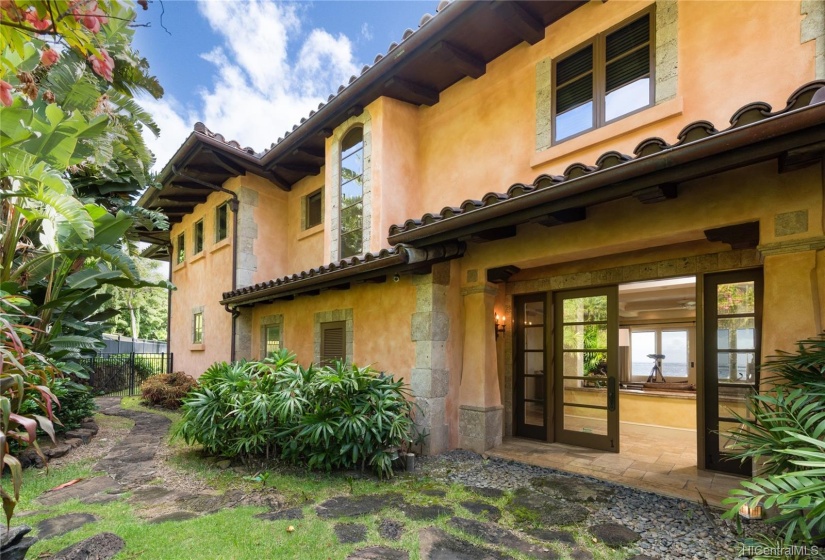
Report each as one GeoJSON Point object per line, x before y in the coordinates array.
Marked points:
{"type": "Point", "coordinates": [351, 222]}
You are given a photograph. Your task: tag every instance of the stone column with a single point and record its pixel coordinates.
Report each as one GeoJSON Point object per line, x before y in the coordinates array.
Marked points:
{"type": "Point", "coordinates": [480, 414]}
{"type": "Point", "coordinates": [243, 334]}
{"type": "Point", "coordinates": [430, 378]}
{"type": "Point", "coordinates": [245, 267]}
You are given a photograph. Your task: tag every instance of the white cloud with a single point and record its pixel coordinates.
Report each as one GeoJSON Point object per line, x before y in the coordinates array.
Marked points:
{"type": "Point", "coordinates": [366, 31]}
{"type": "Point", "coordinates": [259, 90]}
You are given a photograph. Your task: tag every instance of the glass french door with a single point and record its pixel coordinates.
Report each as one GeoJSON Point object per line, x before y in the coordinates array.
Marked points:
{"type": "Point", "coordinates": [733, 324]}
{"type": "Point", "coordinates": [586, 368]}
{"type": "Point", "coordinates": [530, 379]}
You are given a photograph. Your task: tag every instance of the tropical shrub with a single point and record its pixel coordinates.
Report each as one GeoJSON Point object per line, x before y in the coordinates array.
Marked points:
{"type": "Point", "coordinates": [166, 389]}
{"type": "Point", "coordinates": [786, 438]}
{"type": "Point", "coordinates": [76, 404]}
{"type": "Point", "coordinates": [332, 417]}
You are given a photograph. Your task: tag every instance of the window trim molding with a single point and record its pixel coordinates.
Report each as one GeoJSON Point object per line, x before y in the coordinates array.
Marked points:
{"type": "Point", "coordinates": [271, 321]}
{"type": "Point", "coordinates": [598, 41]}
{"type": "Point", "coordinates": [194, 344]}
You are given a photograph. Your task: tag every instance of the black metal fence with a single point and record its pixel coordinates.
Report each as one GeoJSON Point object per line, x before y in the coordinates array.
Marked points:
{"type": "Point", "coordinates": [121, 375]}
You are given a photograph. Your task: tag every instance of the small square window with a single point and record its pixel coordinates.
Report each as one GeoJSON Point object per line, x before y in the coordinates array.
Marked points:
{"type": "Point", "coordinates": [197, 328]}
{"type": "Point", "coordinates": [181, 253]}
{"type": "Point", "coordinates": [314, 213]}
{"type": "Point", "coordinates": [221, 222]}
{"type": "Point", "coordinates": [272, 339]}
{"type": "Point", "coordinates": [198, 236]}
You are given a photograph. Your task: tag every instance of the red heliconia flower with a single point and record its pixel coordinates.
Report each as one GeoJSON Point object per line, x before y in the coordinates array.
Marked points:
{"type": "Point", "coordinates": [90, 15]}
{"type": "Point", "coordinates": [103, 65]}
{"type": "Point", "coordinates": [49, 57]}
{"type": "Point", "coordinates": [37, 23]}
{"type": "Point", "coordinates": [5, 93]}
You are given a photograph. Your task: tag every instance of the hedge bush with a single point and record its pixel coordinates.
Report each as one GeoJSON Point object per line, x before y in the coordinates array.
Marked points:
{"type": "Point", "coordinates": [167, 389]}
{"type": "Point", "coordinates": [338, 416]}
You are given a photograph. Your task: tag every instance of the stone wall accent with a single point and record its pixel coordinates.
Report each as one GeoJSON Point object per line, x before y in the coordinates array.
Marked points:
{"type": "Point", "coordinates": [789, 223]}
{"type": "Point", "coordinates": [329, 317]}
{"type": "Point", "coordinates": [813, 29]}
{"type": "Point", "coordinates": [430, 377]}
{"type": "Point", "coordinates": [247, 263]}
{"type": "Point", "coordinates": [795, 246]}
{"type": "Point", "coordinates": [243, 334]}
{"type": "Point", "coordinates": [544, 104]}
{"type": "Point", "coordinates": [479, 428]}
{"type": "Point", "coordinates": [683, 266]}
{"type": "Point", "coordinates": [365, 120]}
{"type": "Point", "coordinates": [667, 50]}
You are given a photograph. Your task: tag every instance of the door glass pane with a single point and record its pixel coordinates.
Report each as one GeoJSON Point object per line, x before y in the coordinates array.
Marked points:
{"type": "Point", "coordinates": [585, 391]}
{"type": "Point", "coordinates": [733, 401]}
{"type": "Point", "coordinates": [587, 420]}
{"type": "Point", "coordinates": [727, 432]}
{"type": "Point", "coordinates": [675, 350]}
{"type": "Point", "coordinates": [735, 298]}
{"type": "Point", "coordinates": [534, 388]}
{"type": "Point", "coordinates": [534, 313]}
{"type": "Point", "coordinates": [735, 334]}
{"type": "Point", "coordinates": [534, 338]}
{"type": "Point", "coordinates": [736, 367]}
{"type": "Point", "coordinates": [584, 363]}
{"type": "Point", "coordinates": [586, 309]}
{"type": "Point", "coordinates": [585, 337]}
{"type": "Point", "coordinates": [534, 363]}
{"type": "Point", "coordinates": [534, 413]}
{"type": "Point", "coordinates": [642, 343]}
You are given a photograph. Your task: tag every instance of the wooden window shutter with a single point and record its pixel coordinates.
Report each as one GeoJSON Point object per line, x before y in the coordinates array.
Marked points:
{"type": "Point", "coordinates": [333, 342]}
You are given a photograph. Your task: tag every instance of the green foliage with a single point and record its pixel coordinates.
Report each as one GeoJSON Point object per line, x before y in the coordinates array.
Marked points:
{"type": "Point", "coordinates": [141, 312]}
{"type": "Point", "coordinates": [76, 404]}
{"type": "Point", "coordinates": [167, 389]}
{"type": "Point", "coordinates": [787, 434]}
{"type": "Point", "coordinates": [339, 416]}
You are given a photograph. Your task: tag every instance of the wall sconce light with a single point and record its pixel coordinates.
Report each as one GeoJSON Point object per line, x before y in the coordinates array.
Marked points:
{"type": "Point", "coordinates": [750, 512]}
{"type": "Point", "coordinates": [500, 325]}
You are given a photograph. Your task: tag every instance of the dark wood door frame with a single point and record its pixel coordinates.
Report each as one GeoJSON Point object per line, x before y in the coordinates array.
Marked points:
{"type": "Point", "coordinates": [521, 428]}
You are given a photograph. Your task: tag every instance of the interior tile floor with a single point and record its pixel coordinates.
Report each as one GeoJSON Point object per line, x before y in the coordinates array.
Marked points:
{"type": "Point", "coordinates": [657, 459]}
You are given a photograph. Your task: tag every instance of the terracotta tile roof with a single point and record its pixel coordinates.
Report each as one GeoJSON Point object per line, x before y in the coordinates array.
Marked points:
{"type": "Point", "coordinates": [200, 128]}
{"type": "Point", "coordinates": [692, 133]}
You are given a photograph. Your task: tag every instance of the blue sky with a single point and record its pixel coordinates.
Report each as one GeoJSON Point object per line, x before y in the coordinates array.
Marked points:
{"type": "Point", "coordinates": [252, 69]}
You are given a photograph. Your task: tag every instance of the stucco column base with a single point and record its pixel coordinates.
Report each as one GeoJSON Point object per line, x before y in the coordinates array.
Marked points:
{"type": "Point", "coordinates": [479, 428]}
{"type": "Point", "coordinates": [431, 419]}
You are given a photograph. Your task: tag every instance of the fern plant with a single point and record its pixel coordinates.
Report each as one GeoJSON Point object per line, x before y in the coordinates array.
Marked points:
{"type": "Point", "coordinates": [786, 432]}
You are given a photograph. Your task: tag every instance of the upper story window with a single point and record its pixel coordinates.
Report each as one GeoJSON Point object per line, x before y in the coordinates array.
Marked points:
{"type": "Point", "coordinates": [197, 328]}
{"type": "Point", "coordinates": [352, 193]}
{"type": "Point", "coordinates": [221, 222]}
{"type": "Point", "coordinates": [608, 78]}
{"type": "Point", "coordinates": [181, 253]}
{"type": "Point", "coordinates": [313, 211]}
{"type": "Point", "coordinates": [198, 235]}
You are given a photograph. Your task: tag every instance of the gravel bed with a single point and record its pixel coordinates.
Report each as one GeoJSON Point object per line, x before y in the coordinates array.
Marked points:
{"type": "Point", "coordinates": [670, 527]}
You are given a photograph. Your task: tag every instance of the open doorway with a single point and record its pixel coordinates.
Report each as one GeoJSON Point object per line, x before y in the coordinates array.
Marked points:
{"type": "Point", "coordinates": [657, 371]}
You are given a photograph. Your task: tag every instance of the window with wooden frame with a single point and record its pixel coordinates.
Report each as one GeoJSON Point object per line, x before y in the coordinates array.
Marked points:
{"type": "Point", "coordinates": [198, 237]}
{"type": "Point", "coordinates": [609, 77]}
{"type": "Point", "coordinates": [181, 248]}
{"type": "Point", "coordinates": [197, 328]}
{"type": "Point", "coordinates": [271, 339]}
{"type": "Point", "coordinates": [314, 209]}
{"type": "Point", "coordinates": [352, 193]}
{"type": "Point", "coordinates": [333, 342]}
{"type": "Point", "coordinates": [221, 222]}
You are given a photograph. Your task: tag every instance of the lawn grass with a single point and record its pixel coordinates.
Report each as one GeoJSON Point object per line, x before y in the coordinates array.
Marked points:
{"type": "Point", "coordinates": [236, 534]}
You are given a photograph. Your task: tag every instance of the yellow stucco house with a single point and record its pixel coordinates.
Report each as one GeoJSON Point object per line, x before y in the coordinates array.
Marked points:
{"type": "Point", "coordinates": [578, 222]}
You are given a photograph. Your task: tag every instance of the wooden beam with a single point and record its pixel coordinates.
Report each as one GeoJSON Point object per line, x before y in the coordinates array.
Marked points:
{"type": "Point", "coordinates": [355, 111]}
{"type": "Point", "coordinates": [227, 164]}
{"type": "Point", "coordinates": [566, 216]}
{"type": "Point", "coordinates": [309, 152]}
{"type": "Point", "coordinates": [282, 183]}
{"type": "Point", "coordinates": [501, 274]}
{"type": "Point", "coordinates": [196, 198]}
{"type": "Point", "coordinates": [462, 61]}
{"type": "Point", "coordinates": [375, 279]}
{"type": "Point", "coordinates": [656, 193]}
{"type": "Point", "coordinates": [411, 92]}
{"type": "Point", "coordinates": [494, 234]}
{"type": "Point", "coordinates": [299, 168]}
{"type": "Point", "coordinates": [325, 132]}
{"type": "Point", "coordinates": [801, 157]}
{"type": "Point", "coordinates": [739, 236]}
{"type": "Point", "coordinates": [520, 21]}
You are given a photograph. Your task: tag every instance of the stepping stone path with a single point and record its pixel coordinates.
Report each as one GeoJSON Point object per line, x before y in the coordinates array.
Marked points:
{"type": "Point", "coordinates": [498, 536]}
{"type": "Point", "coordinates": [614, 535]}
{"type": "Point", "coordinates": [82, 490]}
{"type": "Point", "coordinates": [291, 513]}
{"type": "Point", "coordinates": [436, 544]}
{"type": "Point", "coordinates": [434, 493]}
{"type": "Point", "coordinates": [572, 489]}
{"type": "Point", "coordinates": [493, 493]}
{"type": "Point", "coordinates": [482, 509]}
{"type": "Point", "coordinates": [547, 510]}
{"type": "Point", "coordinates": [551, 536]}
{"type": "Point", "coordinates": [355, 506]}
{"type": "Point", "coordinates": [379, 553]}
{"type": "Point", "coordinates": [14, 543]}
{"type": "Point", "coordinates": [425, 513]}
{"type": "Point", "coordinates": [350, 532]}
{"type": "Point", "coordinates": [62, 524]}
{"type": "Point", "coordinates": [391, 529]}
{"type": "Point", "coordinates": [99, 547]}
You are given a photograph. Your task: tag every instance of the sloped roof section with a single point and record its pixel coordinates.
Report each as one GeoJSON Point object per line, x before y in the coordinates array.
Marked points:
{"type": "Point", "coordinates": [795, 133]}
